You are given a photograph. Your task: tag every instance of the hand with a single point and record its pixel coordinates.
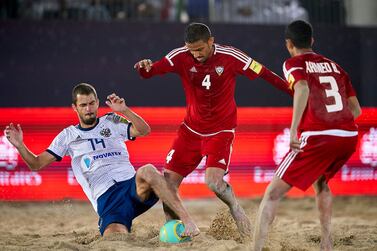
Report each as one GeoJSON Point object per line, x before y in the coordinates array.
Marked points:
{"type": "Point", "coordinates": [295, 143]}
{"type": "Point", "coordinates": [116, 103]}
{"type": "Point", "coordinates": [145, 63]}
{"type": "Point", "coordinates": [14, 135]}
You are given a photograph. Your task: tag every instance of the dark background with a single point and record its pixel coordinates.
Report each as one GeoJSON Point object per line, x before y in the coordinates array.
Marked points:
{"type": "Point", "coordinates": [41, 61]}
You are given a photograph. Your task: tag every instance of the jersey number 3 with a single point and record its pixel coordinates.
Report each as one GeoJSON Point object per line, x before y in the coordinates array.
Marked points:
{"type": "Point", "coordinates": [206, 81]}
{"type": "Point", "coordinates": [333, 92]}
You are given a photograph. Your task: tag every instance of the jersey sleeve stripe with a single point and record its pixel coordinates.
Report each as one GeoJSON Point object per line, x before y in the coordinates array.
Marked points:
{"type": "Point", "coordinates": [287, 72]}
{"type": "Point", "coordinates": [246, 62]}
{"type": "Point", "coordinates": [170, 62]}
{"type": "Point", "coordinates": [237, 52]}
{"type": "Point", "coordinates": [174, 53]}
{"type": "Point", "coordinates": [175, 50]}
{"type": "Point", "coordinates": [129, 132]}
{"type": "Point", "coordinates": [58, 158]}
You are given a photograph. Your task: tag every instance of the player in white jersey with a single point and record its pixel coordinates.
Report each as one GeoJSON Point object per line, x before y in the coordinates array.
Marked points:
{"type": "Point", "coordinates": [101, 165]}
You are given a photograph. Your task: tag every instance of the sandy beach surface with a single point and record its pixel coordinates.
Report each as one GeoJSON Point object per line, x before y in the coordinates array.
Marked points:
{"type": "Point", "coordinates": [71, 225]}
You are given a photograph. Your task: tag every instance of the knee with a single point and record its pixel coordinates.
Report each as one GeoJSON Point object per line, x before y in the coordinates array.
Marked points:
{"type": "Point", "coordinates": [216, 186]}
{"type": "Point", "coordinates": [148, 173]}
{"type": "Point", "coordinates": [274, 194]}
{"type": "Point", "coordinates": [321, 186]}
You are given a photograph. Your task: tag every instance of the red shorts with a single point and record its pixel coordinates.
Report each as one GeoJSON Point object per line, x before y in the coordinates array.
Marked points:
{"type": "Point", "coordinates": [189, 148]}
{"type": "Point", "coordinates": [322, 155]}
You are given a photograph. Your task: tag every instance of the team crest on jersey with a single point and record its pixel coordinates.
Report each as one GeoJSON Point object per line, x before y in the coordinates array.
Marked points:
{"type": "Point", "coordinates": [105, 132]}
{"type": "Point", "coordinates": [219, 70]}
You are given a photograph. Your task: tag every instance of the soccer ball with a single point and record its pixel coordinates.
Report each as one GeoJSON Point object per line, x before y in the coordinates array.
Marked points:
{"type": "Point", "coordinates": [171, 232]}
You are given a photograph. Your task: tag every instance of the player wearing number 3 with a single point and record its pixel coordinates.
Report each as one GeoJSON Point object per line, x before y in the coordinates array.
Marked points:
{"type": "Point", "coordinates": [208, 73]}
{"type": "Point", "coordinates": [324, 109]}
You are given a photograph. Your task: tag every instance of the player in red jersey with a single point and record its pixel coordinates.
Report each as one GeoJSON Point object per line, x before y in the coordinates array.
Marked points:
{"type": "Point", "coordinates": [208, 72]}
{"type": "Point", "coordinates": [324, 109]}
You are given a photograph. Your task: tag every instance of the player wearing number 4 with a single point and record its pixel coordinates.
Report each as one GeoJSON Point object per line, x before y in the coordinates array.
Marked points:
{"type": "Point", "coordinates": [101, 163]}
{"type": "Point", "coordinates": [324, 109]}
{"type": "Point", "coordinates": [208, 73]}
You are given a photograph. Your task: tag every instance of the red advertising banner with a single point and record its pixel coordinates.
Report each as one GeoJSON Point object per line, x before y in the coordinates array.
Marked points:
{"type": "Point", "coordinates": [262, 139]}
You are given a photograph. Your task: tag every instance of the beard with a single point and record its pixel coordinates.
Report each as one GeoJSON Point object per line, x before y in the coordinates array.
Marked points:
{"type": "Point", "coordinates": [89, 119]}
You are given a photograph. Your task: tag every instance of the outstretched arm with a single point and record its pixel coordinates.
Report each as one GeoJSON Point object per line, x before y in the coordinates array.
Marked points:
{"type": "Point", "coordinates": [275, 80]}
{"type": "Point", "coordinates": [139, 126]}
{"type": "Point", "coordinates": [147, 69]}
{"type": "Point", "coordinates": [35, 162]}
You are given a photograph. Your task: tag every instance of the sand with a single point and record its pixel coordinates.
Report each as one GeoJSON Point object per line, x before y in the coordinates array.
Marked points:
{"type": "Point", "coordinates": [73, 226]}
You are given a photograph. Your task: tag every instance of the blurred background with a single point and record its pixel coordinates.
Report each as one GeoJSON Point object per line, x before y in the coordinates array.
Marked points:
{"type": "Point", "coordinates": [48, 46]}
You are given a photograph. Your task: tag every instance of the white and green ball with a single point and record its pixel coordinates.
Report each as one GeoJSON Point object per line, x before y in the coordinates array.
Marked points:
{"type": "Point", "coordinates": [171, 232]}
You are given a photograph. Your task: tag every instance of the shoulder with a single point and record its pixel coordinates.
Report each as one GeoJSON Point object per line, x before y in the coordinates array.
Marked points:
{"type": "Point", "coordinates": [293, 64]}
{"type": "Point", "coordinates": [68, 134]}
{"type": "Point", "coordinates": [176, 53]}
{"type": "Point", "coordinates": [231, 52]}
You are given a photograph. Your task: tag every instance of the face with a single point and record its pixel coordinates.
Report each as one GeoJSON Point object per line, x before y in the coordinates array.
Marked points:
{"type": "Point", "coordinates": [201, 50]}
{"type": "Point", "coordinates": [86, 108]}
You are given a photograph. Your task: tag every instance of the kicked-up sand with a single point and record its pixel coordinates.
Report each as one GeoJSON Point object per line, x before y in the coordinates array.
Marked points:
{"type": "Point", "coordinates": [73, 226]}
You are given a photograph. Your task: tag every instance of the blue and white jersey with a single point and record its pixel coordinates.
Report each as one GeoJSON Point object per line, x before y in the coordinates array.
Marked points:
{"type": "Point", "coordinates": [99, 154]}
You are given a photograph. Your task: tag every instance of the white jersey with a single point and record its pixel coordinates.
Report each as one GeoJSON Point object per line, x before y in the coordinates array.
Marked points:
{"type": "Point", "coordinates": [99, 154]}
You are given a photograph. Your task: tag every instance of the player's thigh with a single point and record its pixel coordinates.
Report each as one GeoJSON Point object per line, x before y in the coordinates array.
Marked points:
{"type": "Point", "coordinates": [147, 176]}
{"type": "Point", "coordinates": [185, 153]}
{"type": "Point", "coordinates": [322, 155]}
{"type": "Point", "coordinates": [142, 194]}
{"type": "Point", "coordinates": [343, 149]}
{"type": "Point", "coordinates": [218, 149]}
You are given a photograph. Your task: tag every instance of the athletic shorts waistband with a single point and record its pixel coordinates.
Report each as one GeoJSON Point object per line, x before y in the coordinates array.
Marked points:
{"type": "Point", "coordinates": [332, 132]}
{"type": "Point", "coordinates": [209, 134]}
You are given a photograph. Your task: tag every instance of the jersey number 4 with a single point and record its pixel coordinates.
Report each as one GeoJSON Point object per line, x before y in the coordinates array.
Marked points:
{"type": "Point", "coordinates": [206, 81]}
{"type": "Point", "coordinates": [333, 92]}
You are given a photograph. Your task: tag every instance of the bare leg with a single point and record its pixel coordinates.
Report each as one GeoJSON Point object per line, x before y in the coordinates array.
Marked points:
{"type": "Point", "coordinates": [215, 182]}
{"type": "Point", "coordinates": [267, 210]}
{"type": "Point", "coordinates": [174, 181]}
{"type": "Point", "coordinates": [324, 204]}
{"type": "Point", "coordinates": [147, 179]}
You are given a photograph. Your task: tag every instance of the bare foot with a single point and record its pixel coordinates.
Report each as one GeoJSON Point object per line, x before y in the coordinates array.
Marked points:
{"type": "Point", "coordinates": [326, 245]}
{"type": "Point", "coordinates": [191, 229]}
{"type": "Point", "coordinates": [242, 222]}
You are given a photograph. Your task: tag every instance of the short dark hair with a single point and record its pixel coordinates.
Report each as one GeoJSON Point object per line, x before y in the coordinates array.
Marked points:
{"type": "Point", "coordinates": [197, 31]}
{"type": "Point", "coordinates": [300, 33]}
{"type": "Point", "coordinates": [83, 89]}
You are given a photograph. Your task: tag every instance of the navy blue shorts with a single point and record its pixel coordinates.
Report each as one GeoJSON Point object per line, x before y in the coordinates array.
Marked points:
{"type": "Point", "coordinates": [120, 204]}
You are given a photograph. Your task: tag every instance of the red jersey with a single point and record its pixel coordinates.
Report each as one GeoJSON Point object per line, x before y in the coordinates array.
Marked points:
{"type": "Point", "coordinates": [210, 86]}
{"type": "Point", "coordinates": [330, 88]}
